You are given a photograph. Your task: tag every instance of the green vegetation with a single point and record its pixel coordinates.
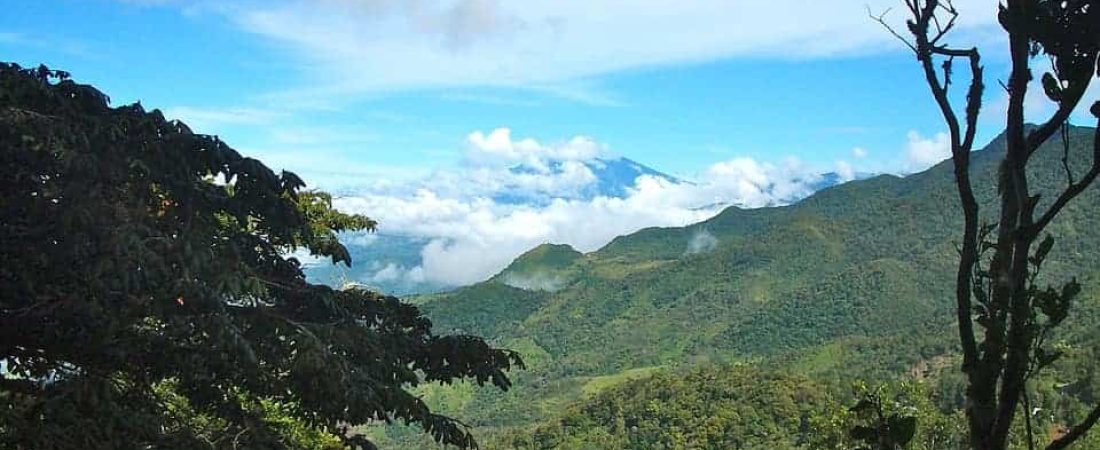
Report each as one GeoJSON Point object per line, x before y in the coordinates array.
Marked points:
{"type": "Point", "coordinates": [646, 343]}
{"type": "Point", "coordinates": [722, 407]}
{"type": "Point", "coordinates": [1006, 312]}
{"type": "Point", "coordinates": [852, 283]}
{"type": "Point", "coordinates": [146, 299]}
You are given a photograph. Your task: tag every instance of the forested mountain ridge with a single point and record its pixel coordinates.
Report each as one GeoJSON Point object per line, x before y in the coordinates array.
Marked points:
{"type": "Point", "coordinates": [730, 281]}
{"type": "Point", "coordinates": [861, 273]}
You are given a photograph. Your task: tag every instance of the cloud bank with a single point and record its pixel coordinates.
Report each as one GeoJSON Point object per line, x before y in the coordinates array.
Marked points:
{"type": "Point", "coordinates": [472, 235]}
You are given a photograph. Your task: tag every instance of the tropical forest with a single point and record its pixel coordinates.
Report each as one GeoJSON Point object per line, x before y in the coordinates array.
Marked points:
{"type": "Point", "coordinates": [605, 225]}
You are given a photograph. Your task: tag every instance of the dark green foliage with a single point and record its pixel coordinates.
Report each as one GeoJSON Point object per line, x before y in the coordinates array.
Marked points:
{"type": "Point", "coordinates": [868, 258]}
{"type": "Point", "coordinates": [146, 299]}
{"type": "Point", "coordinates": [852, 283]}
{"type": "Point", "coordinates": [880, 428]}
{"type": "Point", "coordinates": [896, 415]}
{"type": "Point", "coordinates": [728, 407]}
{"type": "Point", "coordinates": [501, 308]}
{"type": "Point", "coordinates": [544, 258]}
{"type": "Point", "coordinates": [995, 297]}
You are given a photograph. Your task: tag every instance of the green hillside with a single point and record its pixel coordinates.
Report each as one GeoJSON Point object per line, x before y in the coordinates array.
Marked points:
{"type": "Point", "coordinates": [860, 273]}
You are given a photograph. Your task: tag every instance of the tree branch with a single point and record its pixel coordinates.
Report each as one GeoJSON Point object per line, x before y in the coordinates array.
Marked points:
{"type": "Point", "coordinates": [881, 19]}
{"type": "Point", "coordinates": [962, 141]}
{"type": "Point", "coordinates": [942, 31]}
{"type": "Point", "coordinates": [1070, 100]}
{"type": "Point", "coordinates": [1065, 155]}
{"type": "Point", "coordinates": [961, 144]}
{"type": "Point", "coordinates": [1077, 432]}
{"type": "Point", "coordinates": [1073, 190]}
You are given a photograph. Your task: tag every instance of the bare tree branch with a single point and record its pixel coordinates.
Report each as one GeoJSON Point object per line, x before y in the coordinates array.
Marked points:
{"type": "Point", "coordinates": [961, 144]}
{"type": "Point", "coordinates": [942, 31]}
{"type": "Point", "coordinates": [881, 19]}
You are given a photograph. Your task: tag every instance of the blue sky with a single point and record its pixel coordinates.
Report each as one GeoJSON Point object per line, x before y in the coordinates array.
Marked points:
{"type": "Point", "coordinates": [388, 100]}
{"type": "Point", "coordinates": [679, 110]}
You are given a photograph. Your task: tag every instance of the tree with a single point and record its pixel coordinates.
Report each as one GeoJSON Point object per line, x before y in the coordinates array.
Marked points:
{"type": "Point", "coordinates": [894, 415]}
{"type": "Point", "coordinates": [997, 284]}
{"type": "Point", "coordinates": [147, 298]}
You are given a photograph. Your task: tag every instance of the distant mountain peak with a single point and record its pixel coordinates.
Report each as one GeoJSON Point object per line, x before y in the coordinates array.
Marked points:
{"type": "Point", "coordinates": [612, 177]}
{"type": "Point", "coordinates": [543, 268]}
{"type": "Point", "coordinates": [545, 257]}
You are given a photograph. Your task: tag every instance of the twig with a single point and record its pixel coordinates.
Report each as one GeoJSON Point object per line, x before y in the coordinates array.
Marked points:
{"type": "Point", "coordinates": [881, 19]}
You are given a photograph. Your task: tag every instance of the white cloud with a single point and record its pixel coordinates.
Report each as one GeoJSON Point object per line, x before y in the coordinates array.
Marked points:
{"type": "Point", "coordinates": [859, 153]}
{"type": "Point", "coordinates": [535, 282]}
{"type": "Point", "coordinates": [392, 272]}
{"type": "Point", "coordinates": [476, 238]}
{"type": "Point", "coordinates": [1038, 108]}
{"type": "Point", "coordinates": [702, 241]}
{"type": "Point", "coordinates": [845, 171]}
{"type": "Point", "coordinates": [388, 273]}
{"type": "Point", "coordinates": [386, 45]}
{"type": "Point", "coordinates": [473, 237]}
{"type": "Point", "coordinates": [498, 147]}
{"type": "Point", "coordinates": [922, 153]}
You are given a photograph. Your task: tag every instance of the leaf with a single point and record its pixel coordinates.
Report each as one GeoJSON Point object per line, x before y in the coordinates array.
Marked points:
{"type": "Point", "coordinates": [185, 279]}
{"type": "Point", "coordinates": [1046, 358]}
{"type": "Point", "coordinates": [1044, 249]}
{"type": "Point", "coordinates": [902, 429]}
{"type": "Point", "coordinates": [864, 433]}
{"type": "Point", "coordinates": [1052, 88]}
{"type": "Point", "coordinates": [863, 405]}
{"type": "Point", "coordinates": [291, 182]}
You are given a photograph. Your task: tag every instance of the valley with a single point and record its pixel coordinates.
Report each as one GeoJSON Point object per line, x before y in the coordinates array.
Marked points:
{"type": "Point", "coordinates": [852, 283]}
{"type": "Point", "coordinates": [550, 225]}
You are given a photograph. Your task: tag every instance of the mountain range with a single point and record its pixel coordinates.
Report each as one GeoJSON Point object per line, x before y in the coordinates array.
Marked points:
{"type": "Point", "coordinates": [382, 260]}
{"type": "Point", "coordinates": [853, 282]}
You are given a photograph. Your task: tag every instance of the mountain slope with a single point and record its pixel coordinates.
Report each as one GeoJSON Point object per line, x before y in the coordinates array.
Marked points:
{"type": "Point", "coordinates": [872, 259]}
{"type": "Point", "coordinates": [387, 263]}
{"type": "Point", "coordinates": [394, 263]}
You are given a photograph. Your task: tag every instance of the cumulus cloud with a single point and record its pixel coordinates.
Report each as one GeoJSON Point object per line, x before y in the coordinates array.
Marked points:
{"type": "Point", "coordinates": [472, 236]}
{"type": "Point", "coordinates": [498, 147]}
{"type": "Point", "coordinates": [393, 272]}
{"type": "Point", "coordinates": [859, 153]}
{"type": "Point", "coordinates": [922, 153]}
